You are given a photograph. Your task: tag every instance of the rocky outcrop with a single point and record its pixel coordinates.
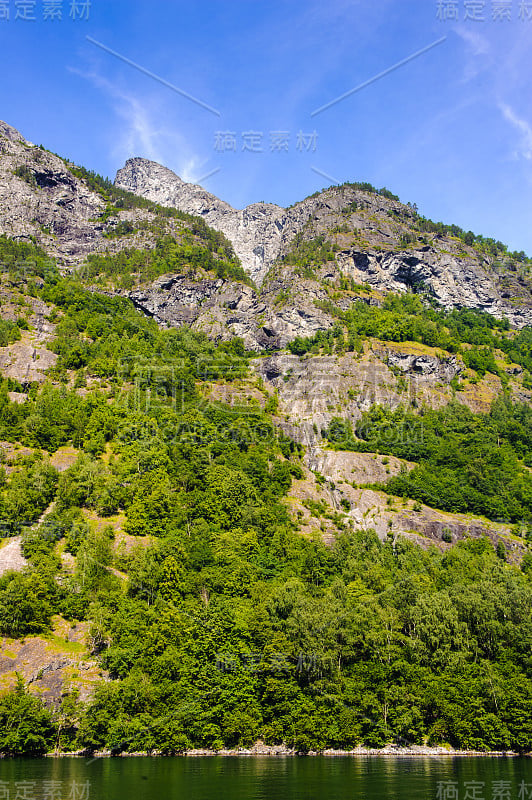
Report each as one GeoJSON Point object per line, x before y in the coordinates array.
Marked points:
{"type": "Point", "coordinates": [223, 310]}
{"type": "Point", "coordinates": [42, 199]}
{"type": "Point", "coordinates": [454, 282]}
{"type": "Point", "coordinates": [54, 665]}
{"type": "Point", "coordinates": [262, 234]}
{"type": "Point", "coordinates": [259, 233]}
{"type": "Point", "coordinates": [26, 362]}
{"type": "Point", "coordinates": [443, 369]}
{"type": "Point", "coordinates": [11, 558]}
{"type": "Point", "coordinates": [313, 390]}
{"type": "Point", "coordinates": [255, 232]}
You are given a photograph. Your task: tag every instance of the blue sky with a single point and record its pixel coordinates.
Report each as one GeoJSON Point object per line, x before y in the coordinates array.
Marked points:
{"type": "Point", "coordinates": [450, 130]}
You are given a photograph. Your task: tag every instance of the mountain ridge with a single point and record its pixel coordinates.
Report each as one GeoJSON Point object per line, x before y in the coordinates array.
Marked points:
{"type": "Point", "coordinates": [254, 230]}
{"type": "Point", "coordinates": [376, 253]}
{"type": "Point", "coordinates": [350, 235]}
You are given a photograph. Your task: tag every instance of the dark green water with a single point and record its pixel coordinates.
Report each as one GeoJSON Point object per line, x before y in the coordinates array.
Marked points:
{"type": "Point", "coordinates": [313, 778]}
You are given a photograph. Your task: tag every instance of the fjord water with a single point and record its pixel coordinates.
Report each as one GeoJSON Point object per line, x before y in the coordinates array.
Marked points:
{"type": "Point", "coordinates": [268, 778]}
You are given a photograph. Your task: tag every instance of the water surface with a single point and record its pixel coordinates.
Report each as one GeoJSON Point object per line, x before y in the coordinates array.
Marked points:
{"type": "Point", "coordinates": [267, 778]}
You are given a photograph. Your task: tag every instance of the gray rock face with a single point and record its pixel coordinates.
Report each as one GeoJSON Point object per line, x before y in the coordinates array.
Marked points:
{"type": "Point", "coordinates": [40, 198]}
{"type": "Point", "coordinates": [10, 133]}
{"type": "Point", "coordinates": [454, 282]}
{"type": "Point", "coordinates": [262, 233]}
{"type": "Point", "coordinates": [425, 365]}
{"type": "Point", "coordinates": [313, 390]}
{"type": "Point", "coordinates": [255, 232]}
{"type": "Point", "coordinates": [223, 310]}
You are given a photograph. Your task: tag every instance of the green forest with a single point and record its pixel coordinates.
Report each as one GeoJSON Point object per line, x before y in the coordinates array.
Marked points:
{"type": "Point", "coordinates": [465, 462]}
{"type": "Point", "coordinates": [406, 318]}
{"type": "Point", "coordinates": [133, 266]}
{"type": "Point", "coordinates": [223, 624]}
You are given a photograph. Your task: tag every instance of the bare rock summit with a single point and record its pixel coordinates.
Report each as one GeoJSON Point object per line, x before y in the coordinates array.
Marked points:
{"type": "Point", "coordinates": [255, 232]}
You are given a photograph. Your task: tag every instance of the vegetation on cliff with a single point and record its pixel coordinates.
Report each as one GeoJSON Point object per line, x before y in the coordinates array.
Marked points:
{"type": "Point", "coordinates": [474, 334]}
{"type": "Point", "coordinates": [466, 462]}
{"type": "Point", "coordinates": [221, 623]}
{"type": "Point", "coordinates": [202, 246]}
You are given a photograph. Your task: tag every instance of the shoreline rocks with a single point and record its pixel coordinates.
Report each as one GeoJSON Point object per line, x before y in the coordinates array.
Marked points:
{"type": "Point", "coordinates": [276, 751]}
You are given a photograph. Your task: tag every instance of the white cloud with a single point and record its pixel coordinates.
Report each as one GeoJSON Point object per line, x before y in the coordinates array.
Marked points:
{"type": "Point", "coordinates": [191, 169]}
{"type": "Point", "coordinates": [138, 134]}
{"type": "Point", "coordinates": [523, 127]}
{"type": "Point", "coordinates": [478, 44]}
{"type": "Point", "coordinates": [478, 52]}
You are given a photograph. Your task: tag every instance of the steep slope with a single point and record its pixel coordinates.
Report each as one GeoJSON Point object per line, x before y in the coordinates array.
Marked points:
{"type": "Point", "coordinates": [212, 546]}
{"type": "Point", "coordinates": [75, 215]}
{"type": "Point", "coordinates": [374, 238]}
{"type": "Point", "coordinates": [40, 198]}
{"type": "Point", "coordinates": [335, 260]}
{"type": "Point", "coordinates": [255, 232]}
{"type": "Point", "coordinates": [310, 260]}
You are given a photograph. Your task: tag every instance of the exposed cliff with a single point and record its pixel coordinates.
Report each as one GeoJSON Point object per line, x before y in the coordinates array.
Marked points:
{"type": "Point", "coordinates": [70, 213]}
{"type": "Point", "coordinates": [41, 198]}
{"type": "Point", "coordinates": [377, 240]}
{"type": "Point", "coordinates": [154, 470]}
{"type": "Point", "coordinates": [367, 238]}
{"type": "Point", "coordinates": [255, 232]}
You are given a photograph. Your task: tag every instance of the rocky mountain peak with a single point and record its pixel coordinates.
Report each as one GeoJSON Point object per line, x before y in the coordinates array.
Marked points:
{"type": "Point", "coordinates": [375, 239]}
{"type": "Point", "coordinates": [11, 133]}
{"type": "Point", "coordinates": [309, 261]}
{"type": "Point", "coordinates": [255, 231]}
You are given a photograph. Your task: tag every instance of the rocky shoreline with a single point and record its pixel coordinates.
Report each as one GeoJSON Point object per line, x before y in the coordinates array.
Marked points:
{"type": "Point", "coordinates": [261, 749]}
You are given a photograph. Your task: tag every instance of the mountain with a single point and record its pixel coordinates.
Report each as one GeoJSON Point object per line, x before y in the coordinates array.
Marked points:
{"type": "Point", "coordinates": [361, 300]}
{"type": "Point", "coordinates": [266, 475]}
{"type": "Point", "coordinates": [41, 199]}
{"type": "Point", "coordinates": [376, 239]}
{"type": "Point", "coordinates": [295, 257]}
{"type": "Point", "coordinates": [256, 232]}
